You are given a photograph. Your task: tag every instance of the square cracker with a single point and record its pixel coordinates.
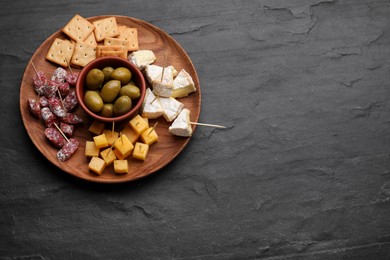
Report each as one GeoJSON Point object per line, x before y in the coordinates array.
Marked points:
{"type": "Point", "coordinates": [121, 54]}
{"type": "Point", "coordinates": [83, 54]}
{"type": "Point", "coordinates": [106, 27]}
{"type": "Point", "coordinates": [60, 52]}
{"type": "Point", "coordinates": [91, 39]}
{"type": "Point", "coordinates": [78, 28]}
{"type": "Point", "coordinates": [100, 48]}
{"type": "Point", "coordinates": [116, 42]}
{"type": "Point", "coordinates": [129, 34]}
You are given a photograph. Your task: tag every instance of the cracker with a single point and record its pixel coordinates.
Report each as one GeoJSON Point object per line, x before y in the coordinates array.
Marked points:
{"type": "Point", "coordinates": [60, 52]}
{"type": "Point", "coordinates": [91, 39]}
{"type": "Point", "coordinates": [129, 34]}
{"type": "Point", "coordinates": [121, 54]}
{"type": "Point", "coordinates": [83, 54]}
{"type": "Point", "coordinates": [115, 41]}
{"type": "Point", "coordinates": [78, 28]}
{"type": "Point", "coordinates": [100, 48]}
{"type": "Point", "coordinates": [106, 27]}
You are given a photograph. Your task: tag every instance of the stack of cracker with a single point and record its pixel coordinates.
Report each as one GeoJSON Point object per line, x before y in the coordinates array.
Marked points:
{"type": "Point", "coordinates": [89, 41]}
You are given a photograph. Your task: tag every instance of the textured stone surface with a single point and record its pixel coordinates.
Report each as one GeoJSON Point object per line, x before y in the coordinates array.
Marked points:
{"type": "Point", "coordinates": [303, 170]}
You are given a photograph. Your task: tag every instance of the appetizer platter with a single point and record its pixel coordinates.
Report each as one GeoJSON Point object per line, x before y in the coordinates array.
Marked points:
{"type": "Point", "coordinates": [109, 151]}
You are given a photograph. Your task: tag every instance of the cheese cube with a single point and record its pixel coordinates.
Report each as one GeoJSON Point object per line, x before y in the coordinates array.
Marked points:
{"type": "Point", "coordinates": [140, 151]}
{"type": "Point", "coordinates": [97, 165]}
{"type": "Point", "coordinates": [123, 146]}
{"type": "Point", "coordinates": [181, 126]}
{"type": "Point", "coordinates": [119, 155]}
{"type": "Point", "coordinates": [111, 136]}
{"type": "Point", "coordinates": [91, 149]}
{"type": "Point", "coordinates": [121, 166]}
{"type": "Point", "coordinates": [108, 155]}
{"type": "Point", "coordinates": [146, 120]}
{"type": "Point", "coordinates": [138, 124]}
{"type": "Point", "coordinates": [96, 127]}
{"type": "Point", "coordinates": [149, 136]}
{"type": "Point", "coordinates": [100, 141]}
{"type": "Point", "coordinates": [131, 134]}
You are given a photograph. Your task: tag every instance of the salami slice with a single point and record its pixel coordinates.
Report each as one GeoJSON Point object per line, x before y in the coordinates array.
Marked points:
{"type": "Point", "coordinates": [67, 129]}
{"type": "Point", "coordinates": [43, 101]}
{"type": "Point", "coordinates": [64, 88]}
{"type": "Point", "coordinates": [70, 101]}
{"type": "Point", "coordinates": [71, 78]}
{"type": "Point", "coordinates": [48, 117]}
{"type": "Point", "coordinates": [50, 90]}
{"type": "Point", "coordinates": [34, 107]}
{"type": "Point", "coordinates": [72, 119]}
{"type": "Point", "coordinates": [55, 137]}
{"type": "Point", "coordinates": [59, 75]}
{"type": "Point", "coordinates": [39, 82]}
{"type": "Point", "coordinates": [55, 105]}
{"type": "Point", "coordinates": [67, 150]}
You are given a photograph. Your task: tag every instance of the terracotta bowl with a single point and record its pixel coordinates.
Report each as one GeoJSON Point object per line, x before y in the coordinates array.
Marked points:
{"type": "Point", "coordinates": [114, 62]}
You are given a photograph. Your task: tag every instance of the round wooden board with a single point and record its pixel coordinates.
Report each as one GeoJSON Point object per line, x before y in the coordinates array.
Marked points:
{"type": "Point", "coordinates": [160, 154]}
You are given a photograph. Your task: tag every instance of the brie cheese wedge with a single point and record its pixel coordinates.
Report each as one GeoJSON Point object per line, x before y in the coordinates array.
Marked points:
{"type": "Point", "coordinates": [142, 58]}
{"type": "Point", "coordinates": [181, 125]}
{"type": "Point", "coordinates": [162, 86]}
{"type": "Point", "coordinates": [171, 107]}
{"type": "Point", "coordinates": [183, 85]}
{"type": "Point", "coordinates": [151, 107]}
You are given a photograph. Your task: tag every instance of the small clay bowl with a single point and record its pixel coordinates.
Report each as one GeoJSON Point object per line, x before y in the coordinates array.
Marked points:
{"type": "Point", "coordinates": [114, 62]}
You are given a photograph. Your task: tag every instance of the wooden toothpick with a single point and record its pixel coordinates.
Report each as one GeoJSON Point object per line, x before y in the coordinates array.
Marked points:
{"type": "Point", "coordinates": [113, 127]}
{"type": "Point", "coordinates": [165, 64]}
{"type": "Point", "coordinates": [211, 125]}
{"type": "Point", "coordinates": [59, 129]}
{"type": "Point", "coordinates": [68, 65]}
{"type": "Point", "coordinates": [35, 69]}
{"type": "Point", "coordinates": [154, 127]}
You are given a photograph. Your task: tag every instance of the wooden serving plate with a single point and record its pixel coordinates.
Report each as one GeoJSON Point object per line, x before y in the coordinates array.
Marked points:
{"type": "Point", "coordinates": [160, 153]}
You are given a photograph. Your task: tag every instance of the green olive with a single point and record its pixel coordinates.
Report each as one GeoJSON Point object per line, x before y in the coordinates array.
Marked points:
{"type": "Point", "coordinates": [93, 101]}
{"type": "Point", "coordinates": [122, 105]}
{"type": "Point", "coordinates": [107, 73]}
{"type": "Point", "coordinates": [130, 90]}
{"type": "Point", "coordinates": [94, 79]}
{"type": "Point", "coordinates": [107, 110]}
{"type": "Point", "coordinates": [122, 74]}
{"type": "Point", "coordinates": [110, 90]}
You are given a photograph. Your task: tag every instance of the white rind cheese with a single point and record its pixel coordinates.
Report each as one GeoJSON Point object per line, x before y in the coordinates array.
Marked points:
{"type": "Point", "coordinates": [142, 58]}
{"type": "Point", "coordinates": [183, 85]}
{"type": "Point", "coordinates": [161, 87]}
{"type": "Point", "coordinates": [181, 125]}
{"type": "Point", "coordinates": [171, 107]}
{"type": "Point", "coordinates": [151, 107]}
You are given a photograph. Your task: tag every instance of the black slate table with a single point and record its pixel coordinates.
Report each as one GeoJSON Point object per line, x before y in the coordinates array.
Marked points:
{"type": "Point", "coordinates": [301, 172]}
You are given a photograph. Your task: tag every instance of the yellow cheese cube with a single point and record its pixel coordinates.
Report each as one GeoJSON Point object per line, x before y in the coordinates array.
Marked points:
{"type": "Point", "coordinates": [140, 151]}
{"type": "Point", "coordinates": [146, 120]}
{"type": "Point", "coordinates": [130, 134]}
{"type": "Point", "coordinates": [123, 146]}
{"type": "Point", "coordinates": [121, 166]}
{"type": "Point", "coordinates": [111, 136]}
{"type": "Point", "coordinates": [97, 165]}
{"type": "Point", "coordinates": [91, 149]}
{"type": "Point", "coordinates": [119, 155]}
{"type": "Point", "coordinates": [149, 136]}
{"type": "Point", "coordinates": [139, 124]}
{"type": "Point", "coordinates": [108, 156]}
{"type": "Point", "coordinates": [96, 127]}
{"type": "Point", "coordinates": [100, 141]}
